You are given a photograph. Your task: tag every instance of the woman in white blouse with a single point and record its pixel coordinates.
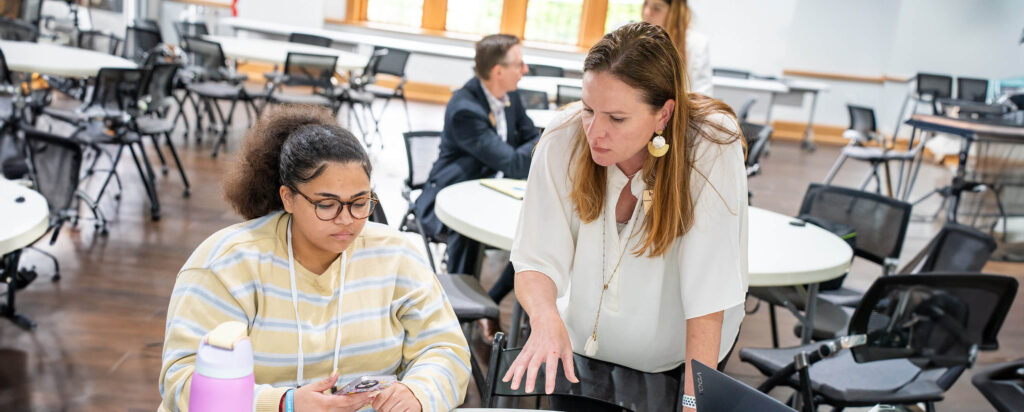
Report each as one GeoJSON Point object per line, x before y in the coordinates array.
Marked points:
{"type": "Point", "coordinates": [632, 240]}
{"type": "Point", "coordinates": [674, 17]}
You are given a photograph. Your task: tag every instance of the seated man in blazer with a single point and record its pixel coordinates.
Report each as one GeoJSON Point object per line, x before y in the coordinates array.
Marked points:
{"type": "Point", "coordinates": [486, 133]}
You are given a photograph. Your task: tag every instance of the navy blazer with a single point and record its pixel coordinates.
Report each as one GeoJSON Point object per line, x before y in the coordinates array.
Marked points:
{"type": "Point", "coordinates": [471, 148]}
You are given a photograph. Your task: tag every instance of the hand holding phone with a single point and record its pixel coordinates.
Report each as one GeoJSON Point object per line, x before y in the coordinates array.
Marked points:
{"type": "Point", "coordinates": [366, 384]}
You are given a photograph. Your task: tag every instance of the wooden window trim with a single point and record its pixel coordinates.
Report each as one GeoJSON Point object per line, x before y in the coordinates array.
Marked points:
{"type": "Point", "coordinates": [435, 15]}
{"type": "Point", "coordinates": [592, 22]}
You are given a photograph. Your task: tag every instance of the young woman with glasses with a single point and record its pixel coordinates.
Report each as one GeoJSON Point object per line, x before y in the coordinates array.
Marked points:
{"type": "Point", "coordinates": [327, 296]}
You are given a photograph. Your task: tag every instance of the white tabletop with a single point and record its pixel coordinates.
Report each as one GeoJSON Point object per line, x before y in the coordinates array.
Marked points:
{"type": "Point", "coordinates": [274, 51]}
{"type": "Point", "coordinates": [550, 84]}
{"type": "Point", "coordinates": [21, 223]}
{"type": "Point", "coordinates": [800, 85]}
{"type": "Point", "coordinates": [778, 253]}
{"type": "Point", "coordinates": [541, 117]}
{"type": "Point", "coordinates": [58, 60]}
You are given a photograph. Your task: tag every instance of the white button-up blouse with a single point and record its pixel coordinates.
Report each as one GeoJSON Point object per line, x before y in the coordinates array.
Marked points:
{"type": "Point", "coordinates": [643, 317]}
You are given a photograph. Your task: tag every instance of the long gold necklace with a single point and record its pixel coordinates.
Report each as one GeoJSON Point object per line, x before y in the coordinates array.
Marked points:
{"type": "Point", "coordinates": [590, 349]}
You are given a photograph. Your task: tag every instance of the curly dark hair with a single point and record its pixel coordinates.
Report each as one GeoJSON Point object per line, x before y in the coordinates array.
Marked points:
{"type": "Point", "coordinates": [289, 145]}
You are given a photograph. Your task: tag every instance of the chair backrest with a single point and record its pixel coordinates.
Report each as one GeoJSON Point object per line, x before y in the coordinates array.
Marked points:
{"type": "Point", "coordinates": [598, 380]}
{"type": "Point", "coordinates": [204, 54]}
{"type": "Point", "coordinates": [543, 70]}
{"type": "Point", "coordinates": [54, 163]}
{"type": "Point", "coordinates": [17, 30]}
{"type": "Point", "coordinates": [932, 319]}
{"type": "Point", "coordinates": [311, 39]}
{"type": "Point", "coordinates": [723, 72]}
{"type": "Point", "coordinates": [533, 99]}
{"type": "Point", "coordinates": [139, 43]}
{"type": "Point", "coordinates": [744, 111]}
{"type": "Point", "coordinates": [975, 90]}
{"type": "Point", "coordinates": [937, 86]}
{"type": "Point", "coordinates": [880, 222]}
{"type": "Point", "coordinates": [158, 84]}
{"type": "Point", "coordinates": [191, 29]}
{"type": "Point", "coordinates": [148, 24]}
{"type": "Point", "coordinates": [305, 69]}
{"type": "Point", "coordinates": [378, 216]}
{"type": "Point", "coordinates": [862, 119]}
{"type": "Point", "coordinates": [98, 41]}
{"type": "Point", "coordinates": [567, 94]}
{"type": "Point", "coordinates": [956, 248]}
{"type": "Point", "coordinates": [421, 151]}
{"type": "Point", "coordinates": [392, 62]}
{"type": "Point", "coordinates": [757, 136]}
{"type": "Point", "coordinates": [116, 89]}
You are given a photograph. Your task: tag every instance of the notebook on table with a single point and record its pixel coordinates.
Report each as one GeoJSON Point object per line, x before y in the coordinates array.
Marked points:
{"type": "Point", "coordinates": [515, 188]}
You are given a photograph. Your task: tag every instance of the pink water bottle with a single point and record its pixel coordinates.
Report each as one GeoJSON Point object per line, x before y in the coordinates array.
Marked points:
{"type": "Point", "coordinates": [223, 379]}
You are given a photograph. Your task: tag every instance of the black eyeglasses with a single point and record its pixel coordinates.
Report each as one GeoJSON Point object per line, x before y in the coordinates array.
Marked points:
{"type": "Point", "coordinates": [329, 209]}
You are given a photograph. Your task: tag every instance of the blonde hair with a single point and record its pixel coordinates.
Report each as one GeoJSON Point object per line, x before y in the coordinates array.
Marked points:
{"type": "Point", "coordinates": [642, 56]}
{"type": "Point", "coordinates": [676, 22]}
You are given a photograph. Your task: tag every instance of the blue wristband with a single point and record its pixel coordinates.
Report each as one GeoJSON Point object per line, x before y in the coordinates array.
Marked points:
{"type": "Point", "coordinates": [289, 401]}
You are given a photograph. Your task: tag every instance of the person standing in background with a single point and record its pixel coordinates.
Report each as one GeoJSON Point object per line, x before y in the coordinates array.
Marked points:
{"type": "Point", "coordinates": [674, 17]}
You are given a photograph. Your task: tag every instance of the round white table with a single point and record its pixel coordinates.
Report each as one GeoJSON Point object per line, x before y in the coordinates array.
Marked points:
{"type": "Point", "coordinates": [276, 52]}
{"type": "Point", "coordinates": [541, 117]}
{"type": "Point", "coordinates": [24, 216]}
{"type": "Point", "coordinates": [778, 252]}
{"type": "Point", "coordinates": [56, 60]}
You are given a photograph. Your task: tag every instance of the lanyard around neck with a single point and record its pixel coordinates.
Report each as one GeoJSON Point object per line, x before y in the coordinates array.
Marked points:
{"type": "Point", "coordinates": [295, 304]}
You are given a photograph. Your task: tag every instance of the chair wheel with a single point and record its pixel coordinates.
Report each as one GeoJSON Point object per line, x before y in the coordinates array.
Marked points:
{"type": "Point", "coordinates": [164, 170]}
{"type": "Point", "coordinates": [55, 277]}
{"type": "Point", "coordinates": [187, 193]}
{"type": "Point", "coordinates": [104, 232]}
{"type": "Point", "coordinates": [117, 196]}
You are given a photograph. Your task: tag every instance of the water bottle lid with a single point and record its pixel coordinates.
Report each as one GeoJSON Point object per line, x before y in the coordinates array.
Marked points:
{"type": "Point", "coordinates": [225, 352]}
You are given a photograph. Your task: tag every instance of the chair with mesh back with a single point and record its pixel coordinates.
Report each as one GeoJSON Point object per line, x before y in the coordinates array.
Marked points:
{"type": "Point", "coordinates": [928, 88]}
{"type": "Point", "coordinates": [190, 29]}
{"type": "Point", "coordinates": [153, 121]}
{"type": "Point", "coordinates": [17, 30]}
{"type": "Point", "coordinates": [975, 90]}
{"type": "Point", "coordinates": [393, 63]}
{"type": "Point", "coordinates": [544, 70]}
{"type": "Point", "coordinates": [310, 39]}
{"type": "Point", "coordinates": [98, 41]}
{"type": "Point", "coordinates": [862, 133]}
{"type": "Point", "coordinates": [534, 99]}
{"type": "Point", "coordinates": [31, 12]}
{"type": "Point", "coordinates": [757, 136]}
{"type": "Point", "coordinates": [216, 83]}
{"type": "Point", "coordinates": [956, 248]}
{"type": "Point", "coordinates": [55, 164]}
{"type": "Point", "coordinates": [148, 24]}
{"type": "Point", "coordinates": [139, 43]}
{"type": "Point", "coordinates": [1002, 384]}
{"type": "Point", "coordinates": [910, 339]}
{"type": "Point", "coordinates": [744, 112]}
{"type": "Point", "coordinates": [723, 72]}
{"type": "Point", "coordinates": [307, 70]}
{"type": "Point", "coordinates": [567, 94]}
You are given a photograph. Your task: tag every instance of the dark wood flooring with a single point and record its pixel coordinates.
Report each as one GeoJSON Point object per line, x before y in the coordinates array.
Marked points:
{"type": "Point", "coordinates": [100, 328]}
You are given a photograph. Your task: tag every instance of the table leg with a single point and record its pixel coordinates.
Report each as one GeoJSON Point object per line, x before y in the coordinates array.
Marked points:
{"type": "Point", "coordinates": [808, 142]}
{"type": "Point", "coordinates": [811, 306]}
{"type": "Point", "coordinates": [10, 269]}
{"type": "Point", "coordinates": [958, 179]}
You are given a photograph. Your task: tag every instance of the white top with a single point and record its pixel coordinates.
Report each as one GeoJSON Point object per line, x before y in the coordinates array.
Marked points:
{"type": "Point", "coordinates": [58, 60]}
{"type": "Point", "coordinates": [643, 317]}
{"type": "Point", "coordinates": [698, 62]}
{"type": "Point", "coordinates": [550, 84]}
{"type": "Point", "coordinates": [21, 223]}
{"type": "Point", "coordinates": [274, 51]}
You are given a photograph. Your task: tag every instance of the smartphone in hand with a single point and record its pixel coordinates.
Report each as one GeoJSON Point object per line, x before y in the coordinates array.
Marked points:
{"type": "Point", "coordinates": [366, 384]}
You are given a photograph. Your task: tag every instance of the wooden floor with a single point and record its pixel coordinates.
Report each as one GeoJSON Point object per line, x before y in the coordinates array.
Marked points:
{"type": "Point", "coordinates": [100, 328]}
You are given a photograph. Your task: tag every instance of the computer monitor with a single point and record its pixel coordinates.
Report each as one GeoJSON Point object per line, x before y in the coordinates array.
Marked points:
{"type": "Point", "coordinates": [716, 391]}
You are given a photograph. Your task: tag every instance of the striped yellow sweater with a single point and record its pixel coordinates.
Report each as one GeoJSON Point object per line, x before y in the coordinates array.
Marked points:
{"type": "Point", "coordinates": [395, 318]}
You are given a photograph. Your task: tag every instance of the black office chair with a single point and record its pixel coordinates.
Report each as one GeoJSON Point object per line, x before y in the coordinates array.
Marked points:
{"type": "Point", "coordinates": [863, 131]}
{"type": "Point", "coordinates": [975, 90]}
{"type": "Point", "coordinates": [148, 24]}
{"type": "Point", "coordinates": [140, 43]}
{"type": "Point", "coordinates": [910, 338]}
{"type": "Point", "coordinates": [546, 71]}
{"type": "Point", "coordinates": [31, 12]}
{"type": "Point", "coordinates": [306, 70]}
{"type": "Point", "coordinates": [310, 39]}
{"type": "Point", "coordinates": [1003, 385]}
{"type": "Point", "coordinates": [98, 41]}
{"type": "Point", "coordinates": [190, 29]}
{"type": "Point", "coordinates": [18, 30]}
{"type": "Point", "coordinates": [757, 136]}
{"type": "Point", "coordinates": [744, 112]}
{"type": "Point", "coordinates": [734, 73]}
{"type": "Point", "coordinates": [534, 99]}
{"type": "Point", "coordinates": [392, 62]}
{"type": "Point", "coordinates": [567, 94]}
{"type": "Point", "coordinates": [157, 92]}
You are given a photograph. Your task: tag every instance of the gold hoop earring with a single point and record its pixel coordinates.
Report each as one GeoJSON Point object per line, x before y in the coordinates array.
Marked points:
{"type": "Point", "coordinates": [657, 146]}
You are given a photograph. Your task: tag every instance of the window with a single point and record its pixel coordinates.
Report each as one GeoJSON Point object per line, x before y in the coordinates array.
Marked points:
{"type": "Point", "coordinates": [621, 12]}
{"type": "Point", "coordinates": [553, 21]}
{"type": "Point", "coordinates": [400, 12]}
{"type": "Point", "coordinates": [474, 16]}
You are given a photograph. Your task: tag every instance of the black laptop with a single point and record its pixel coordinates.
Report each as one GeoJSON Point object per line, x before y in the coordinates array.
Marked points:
{"type": "Point", "coordinates": [717, 391]}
